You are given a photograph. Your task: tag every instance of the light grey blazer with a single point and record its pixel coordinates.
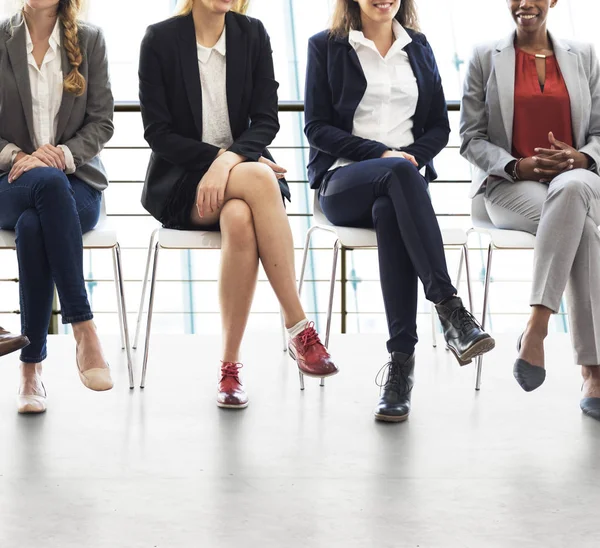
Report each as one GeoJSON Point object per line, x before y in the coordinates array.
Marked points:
{"type": "Point", "coordinates": [84, 123]}
{"type": "Point", "coordinates": [487, 110]}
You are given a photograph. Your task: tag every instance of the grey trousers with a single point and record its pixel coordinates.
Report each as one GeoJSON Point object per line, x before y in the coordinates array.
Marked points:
{"type": "Point", "coordinates": [564, 216]}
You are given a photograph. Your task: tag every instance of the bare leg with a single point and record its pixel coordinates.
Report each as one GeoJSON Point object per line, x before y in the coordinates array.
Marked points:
{"type": "Point", "coordinates": [239, 272]}
{"type": "Point", "coordinates": [256, 185]}
{"type": "Point", "coordinates": [532, 344]}
{"type": "Point", "coordinates": [89, 350]}
{"type": "Point", "coordinates": [31, 380]}
{"type": "Point", "coordinates": [591, 381]}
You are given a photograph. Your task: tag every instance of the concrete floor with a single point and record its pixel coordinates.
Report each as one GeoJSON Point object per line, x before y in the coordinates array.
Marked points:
{"type": "Point", "coordinates": [164, 468]}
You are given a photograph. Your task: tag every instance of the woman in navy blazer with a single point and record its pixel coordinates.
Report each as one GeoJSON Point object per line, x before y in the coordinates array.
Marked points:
{"type": "Point", "coordinates": [375, 118]}
{"type": "Point", "coordinates": [209, 104]}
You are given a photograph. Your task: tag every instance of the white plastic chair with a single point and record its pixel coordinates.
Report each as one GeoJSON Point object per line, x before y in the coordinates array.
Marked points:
{"type": "Point", "coordinates": [499, 239]}
{"type": "Point", "coordinates": [165, 238]}
{"type": "Point", "coordinates": [101, 237]}
{"type": "Point", "coordinates": [349, 238]}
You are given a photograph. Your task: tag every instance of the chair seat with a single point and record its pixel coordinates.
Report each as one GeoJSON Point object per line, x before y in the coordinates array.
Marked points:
{"type": "Point", "coordinates": [188, 239]}
{"type": "Point", "coordinates": [101, 237]}
{"type": "Point", "coordinates": [508, 239]}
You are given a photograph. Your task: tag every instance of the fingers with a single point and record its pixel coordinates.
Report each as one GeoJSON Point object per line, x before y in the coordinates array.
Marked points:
{"type": "Point", "coordinates": [279, 171]}
{"type": "Point", "coordinates": [214, 200]}
{"type": "Point", "coordinates": [200, 202]}
{"type": "Point", "coordinates": [412, 160]}
{"type": "Point", "coordinates": [45, 157]}
{"type": "Point", "coordinates": [220, 198]}
{"type": "Point", "coordinates": [18, 170]}
{"type": "Point", "coordinates": [552, 161]}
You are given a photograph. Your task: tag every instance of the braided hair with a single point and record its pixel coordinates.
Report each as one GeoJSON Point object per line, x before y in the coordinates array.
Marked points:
{"type": "Point", "coordinates": [68, 12]}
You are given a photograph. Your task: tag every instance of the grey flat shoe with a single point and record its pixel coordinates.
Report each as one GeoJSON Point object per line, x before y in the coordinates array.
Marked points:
{"type": "Point", "coordinates": [528, 376]}
{"type": "Point", "coordinates": [591, 407]}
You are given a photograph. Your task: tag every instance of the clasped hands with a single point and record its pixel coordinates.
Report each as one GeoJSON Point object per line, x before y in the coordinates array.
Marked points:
{"type": "Point", "coordinates": [550, 162]}
{"type": "Point", "coordinates": [210, 193]}
{"type": "Point", "coordinates": [45, 156]}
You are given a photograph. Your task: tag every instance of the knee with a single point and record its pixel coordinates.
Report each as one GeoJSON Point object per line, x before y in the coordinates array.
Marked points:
{"type": "Point", "coordinates": [403, 169]}
{"type": "Point", "coordinates": [383, 211]}
{"type": "Point", "coordinates": [237, 224]}
{"type": "Point", "coordinates": [260, 178]}
{"type": "Point", "coordinates": [568, 185]}
{"type": "Point", "coordinates": [28, 226]}
{"type": "Point", "coordinates": [52, 181]}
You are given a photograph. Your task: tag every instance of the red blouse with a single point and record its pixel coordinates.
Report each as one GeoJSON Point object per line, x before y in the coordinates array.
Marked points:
{"type": "Point", "coordinates": [538, 112]}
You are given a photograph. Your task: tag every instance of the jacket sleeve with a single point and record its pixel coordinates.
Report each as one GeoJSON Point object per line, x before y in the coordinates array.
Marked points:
{"type": "Point", "coordinates": [475, 143]}
{"type": "Point", "coordinates": [98, 126]}
{"type": "Point", "coordinates": [592, 147]}
{"type": "Point", "coordinates": [319, 128]}
{"type": "Point", "coordinates": [264, 121]}
{"type": "Point", "coordinates": [437, 127]}
{"type": "Point", "coordinates": [158, 125]}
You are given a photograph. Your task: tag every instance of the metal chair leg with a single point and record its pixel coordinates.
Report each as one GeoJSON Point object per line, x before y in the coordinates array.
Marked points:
{"type": "Point", "coordinates": [460, 269]}
{"type": "Point", "coordinates": [119, 307]}
{"type": "Point", "coordinates": [283, 331]}
{"type": "Point", "coordinates": [124, 312]}
{"type": "Point", "coordinates": [305, 258]}
{"type": "Point", "coordinates": [468, 274]}
{"type": "Point", "coordinates": [486, 290]}
{"type": "Point", "coordinates": [433, 326]}
{"type": "Point", "coordinates": [336, 249]}
{"type": "Point", "coordinates": [149, 319]}
{"type": "Point", "coordinates": [144, 285]}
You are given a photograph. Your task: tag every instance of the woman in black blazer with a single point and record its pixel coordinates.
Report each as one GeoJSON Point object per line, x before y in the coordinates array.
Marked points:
{"type": "Point", "coordinates": [376, 116]}
{"type": "Point", "coordinates": [209, 104]}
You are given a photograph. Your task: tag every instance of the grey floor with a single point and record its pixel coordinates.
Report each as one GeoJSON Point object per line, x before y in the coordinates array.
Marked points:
{"type": "Point", "coordinates": [164, 468]}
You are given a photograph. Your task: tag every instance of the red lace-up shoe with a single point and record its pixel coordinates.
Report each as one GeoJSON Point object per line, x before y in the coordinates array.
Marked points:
{"type": "Point", "coordinates": [231, 394]}
{"type": "Point", "coordinates": [311, 356]}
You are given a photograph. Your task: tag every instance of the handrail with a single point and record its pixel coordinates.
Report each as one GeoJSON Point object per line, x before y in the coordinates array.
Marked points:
{"type": "Point", "coordinates": [284, 106]}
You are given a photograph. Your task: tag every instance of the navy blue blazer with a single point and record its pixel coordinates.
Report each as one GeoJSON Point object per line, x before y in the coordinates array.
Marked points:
{"type": "Point", "coordinates": [335, 86]}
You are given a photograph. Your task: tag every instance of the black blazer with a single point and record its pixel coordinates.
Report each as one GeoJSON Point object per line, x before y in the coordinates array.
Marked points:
{"type": "Point", "coordinates": [171, 101]}
{"type": "Point", "coordinates": [335, 85]}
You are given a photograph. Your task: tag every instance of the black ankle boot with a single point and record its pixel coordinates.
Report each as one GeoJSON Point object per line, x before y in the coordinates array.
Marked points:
{"type": "Point", "coordinates": [464, 336]}
{"type": "Point", "coordinates": [394, 402]}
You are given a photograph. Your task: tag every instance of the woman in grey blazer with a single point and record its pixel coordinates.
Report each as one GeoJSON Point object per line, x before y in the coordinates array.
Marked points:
{"type": "Point", "coordinates": [55, 116]}
{"type": "Point", "coordinates": [530, 125]}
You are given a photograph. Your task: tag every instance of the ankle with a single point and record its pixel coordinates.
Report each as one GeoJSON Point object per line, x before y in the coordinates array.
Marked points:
{"type": "Point", "coordinates": [84, 330]}
{"type": "Point", "coordinates": [29, 370]}
{"type": "Point", "coordinates": [536, 329]}
{"type": "Point", "coordinates": [590, 373]}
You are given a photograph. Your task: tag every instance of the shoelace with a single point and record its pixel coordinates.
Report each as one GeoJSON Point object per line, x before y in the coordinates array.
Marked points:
{"type": "Point", "coordinates": [309, 336]}
{"type": "Point", "coordinates": [231, 369]}
{"type": "Point", "coordinates": [465, 318]}
{"type": "Point", "coordinates": [394, 381]}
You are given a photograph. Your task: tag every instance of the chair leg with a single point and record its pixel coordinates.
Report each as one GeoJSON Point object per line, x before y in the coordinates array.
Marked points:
{"type": "Point", "coordinates": [459, 274]}
{"type": "Point", "coordinates": [149, 319]}
{"type": "Point", "coordinates": [124, 313]}
{"type": "Point", "coordinates": [283, 331]}
{"type": "Point", "coordinates": [119, 307]}
{"type": "Point", "coordinates": [486, 290]}
{"type": "Point", "coordinates": [468, 274]}
{"type": "Point", "coordinates": [336, 249]}
{"type": "Point", "coordinates": [433, 326]}
{"type": "Point", "coordinates": [144, 285]}
{"type": "Point", "coordinates": [305, 258]}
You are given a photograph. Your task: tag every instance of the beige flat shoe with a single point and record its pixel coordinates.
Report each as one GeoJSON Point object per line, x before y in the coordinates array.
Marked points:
{"type": "Point", "coordinates": [31, 404]}
{"type": "Point", "coordinates": [97, 379]}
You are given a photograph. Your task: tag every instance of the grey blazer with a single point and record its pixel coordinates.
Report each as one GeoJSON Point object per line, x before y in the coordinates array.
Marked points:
{"type": "Point", "coordinates": [487, 110]}
{"type": "Point", "coordinates": [84, 123]}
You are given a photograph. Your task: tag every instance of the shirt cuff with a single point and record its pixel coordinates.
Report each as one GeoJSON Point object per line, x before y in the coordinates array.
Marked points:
{"type": "Point", "coordinates": [69, 160]}
{"type": "Point", "coordinates": [7, 156]}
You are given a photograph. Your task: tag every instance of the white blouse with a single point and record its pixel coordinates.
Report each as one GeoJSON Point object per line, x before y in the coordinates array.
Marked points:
{"type": "Point", "coordinates": [46, 83]}
{"type": "Point", "coordinates": [386, 111]}
{"type": "Point", "coordinates": [212, 62]}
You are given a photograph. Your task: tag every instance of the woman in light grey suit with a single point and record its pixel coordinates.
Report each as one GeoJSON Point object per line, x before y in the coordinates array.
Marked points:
{"type": "Point", "coordinates": [530, 125]}
{"type": "Point", "coordinates": [56, 112]}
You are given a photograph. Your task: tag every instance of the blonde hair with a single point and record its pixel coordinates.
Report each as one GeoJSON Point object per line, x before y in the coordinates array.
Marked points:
{"type": "Point", "coordinates": [346, 17]}
{"type": "Point", "coordinates": [185, 6]}
{"type": "Point", "coordinates": [68, 13]}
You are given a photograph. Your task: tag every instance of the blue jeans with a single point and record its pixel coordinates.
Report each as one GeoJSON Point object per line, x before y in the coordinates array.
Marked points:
{"type": "Point", "coordinates": [49, 211]}
{"type": "Point", "coordinates": [390, 195]}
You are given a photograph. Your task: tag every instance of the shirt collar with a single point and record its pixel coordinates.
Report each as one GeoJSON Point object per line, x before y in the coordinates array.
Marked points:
{"type": "Point", "coordinates": [55, 38]}
{"type": "Point", "coordinates": [220, 47]}
{"type": "Point", "coordinates": [357, 39]}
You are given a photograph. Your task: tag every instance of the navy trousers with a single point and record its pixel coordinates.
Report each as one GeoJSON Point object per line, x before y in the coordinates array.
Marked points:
{"type": "Point", "coordinates": [390, 195]}
{"type": "Point", "coordinates": [49, 212]}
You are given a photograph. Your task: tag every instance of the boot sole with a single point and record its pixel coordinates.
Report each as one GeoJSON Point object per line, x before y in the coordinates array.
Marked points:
{"type": "Point", "coordinates": [479, 348]}
{"type": "Point", "coordinates": [293, 356]}
{"type": "Point", "coordinates": [388, 418]}
{"type": "Point", "coordinates": [229, 406]}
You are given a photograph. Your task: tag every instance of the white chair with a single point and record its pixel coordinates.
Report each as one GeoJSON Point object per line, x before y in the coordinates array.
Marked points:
{"type": "Point", "coordinates": [101, 237]}
{"type": "Point", "coordinates": [499, 239]}
{"type": "Point", "coordinates": [348, 238]}
{"type": "Point", "coordinates": [165, 238]}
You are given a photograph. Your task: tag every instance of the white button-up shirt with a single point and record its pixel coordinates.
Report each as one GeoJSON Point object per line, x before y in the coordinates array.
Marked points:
{"type": "Point", "coordinates": [386, 111]}
{"type": "Point", "coordinates": [46, 83]}
{"type": "Point", "coordinates": [212, 62]}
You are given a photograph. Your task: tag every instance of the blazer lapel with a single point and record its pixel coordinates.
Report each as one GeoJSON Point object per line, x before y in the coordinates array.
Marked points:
{"type": "Point", "coordinates": [68, 99]}
{"type": "Point", "coordinates": [237, 54]}
{"type": "Point", "coordinates": [568, 63]}
{"type": "Point", "coordinates": [504, 66]}
{"type": "Point", "coordinates": [189, 66]}
{"type": "Point", "coordinates": [17, 52]}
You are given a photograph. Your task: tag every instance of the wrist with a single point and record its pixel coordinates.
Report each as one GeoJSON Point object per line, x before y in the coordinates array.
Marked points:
{"type": "Point", "coordinates": [228, 160]}
{"type": "Point", "coordinates": [584, 161]}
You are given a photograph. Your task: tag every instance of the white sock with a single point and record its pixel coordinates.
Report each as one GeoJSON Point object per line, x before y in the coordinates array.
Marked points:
{"type": "Point", "coordinates": [298, 328]}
